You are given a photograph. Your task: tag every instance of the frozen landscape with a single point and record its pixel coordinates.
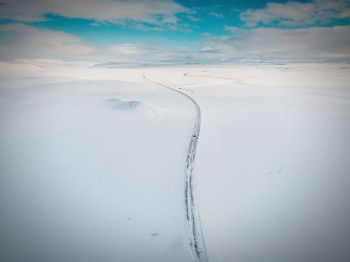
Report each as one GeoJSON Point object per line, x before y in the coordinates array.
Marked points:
{"type": "Point", "coordinates": [174, 131]}
{"type": "Point", "coordinates": [95, 165]}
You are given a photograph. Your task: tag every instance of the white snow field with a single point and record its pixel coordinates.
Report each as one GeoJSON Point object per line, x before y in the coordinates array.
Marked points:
{"type": "Point", "coordinates": [93, 163]}
{"type": "Point", "coordinates": [93, 171]}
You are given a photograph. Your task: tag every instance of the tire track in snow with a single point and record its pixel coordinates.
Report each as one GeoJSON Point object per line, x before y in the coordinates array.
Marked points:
{"type": "Point", "coordinates": [192, 214]}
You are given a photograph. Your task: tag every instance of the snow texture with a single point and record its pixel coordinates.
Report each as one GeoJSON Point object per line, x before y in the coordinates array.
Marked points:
{"type": "Point", "coordinates": [93, 163]}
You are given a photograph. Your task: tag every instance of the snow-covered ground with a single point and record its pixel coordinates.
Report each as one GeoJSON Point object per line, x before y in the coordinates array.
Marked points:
{"type": "Point", "coordinates": [93, 160]}
{"type": "Point", "coordinates": [93, 171]}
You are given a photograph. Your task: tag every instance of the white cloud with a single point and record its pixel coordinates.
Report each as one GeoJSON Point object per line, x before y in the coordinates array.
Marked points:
{"type": "Point", "coordinates": [232, 29]}
{"type": "Point", "coordinates": [193, 18]}
{"type": "Point", "coordinates": [22, 41]}
{"type": "Point", "coordinates": [272, 44]}
{"type": "Point", "coordinates": [260, 44]}
{"type": "Point", "coordinates": [127, 49]}
{"type": "Point", "coordinates": [216, 15]}
{"type": "Point", "coordinates": [157, 12]}
{"type": "Point", "coordinates": [297, 14]}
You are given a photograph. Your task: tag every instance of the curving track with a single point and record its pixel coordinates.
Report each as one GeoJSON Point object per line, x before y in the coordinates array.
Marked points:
{"type": "Point", "coordinates": [192, 214]}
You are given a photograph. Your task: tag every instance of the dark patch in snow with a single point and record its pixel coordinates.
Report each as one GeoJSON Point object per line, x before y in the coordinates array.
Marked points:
{"type": "Point", "coordinates": [154, 234]}
{"type": "Point", "coordinates": [123, 105]}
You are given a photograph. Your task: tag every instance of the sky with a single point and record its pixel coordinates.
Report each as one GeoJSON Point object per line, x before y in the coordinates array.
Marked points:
{"type": "Point", "coordinates": [175, 31]}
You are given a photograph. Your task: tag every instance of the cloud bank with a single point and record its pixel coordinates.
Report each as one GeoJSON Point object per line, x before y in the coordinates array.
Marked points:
{"type": "Point", "coordinates": [317, 44]}
{"type": "Point", "coordinates": [297, 13]}
{"type": "Point", "coordinates": [21, 42]}
{"type": "Point", "coordinates": [279, 32]}
{"type": "Point", "coordinates": [156, 12]}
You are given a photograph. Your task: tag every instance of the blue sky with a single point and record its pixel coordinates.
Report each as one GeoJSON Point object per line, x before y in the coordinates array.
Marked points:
{"type": "Point", "coordinates": [212, 31]}
{"type": "Point", "coordinates": [207, 17]}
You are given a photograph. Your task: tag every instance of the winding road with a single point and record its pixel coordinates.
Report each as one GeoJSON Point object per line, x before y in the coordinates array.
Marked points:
{"type": "Point", "coordinates": [192, 214]}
